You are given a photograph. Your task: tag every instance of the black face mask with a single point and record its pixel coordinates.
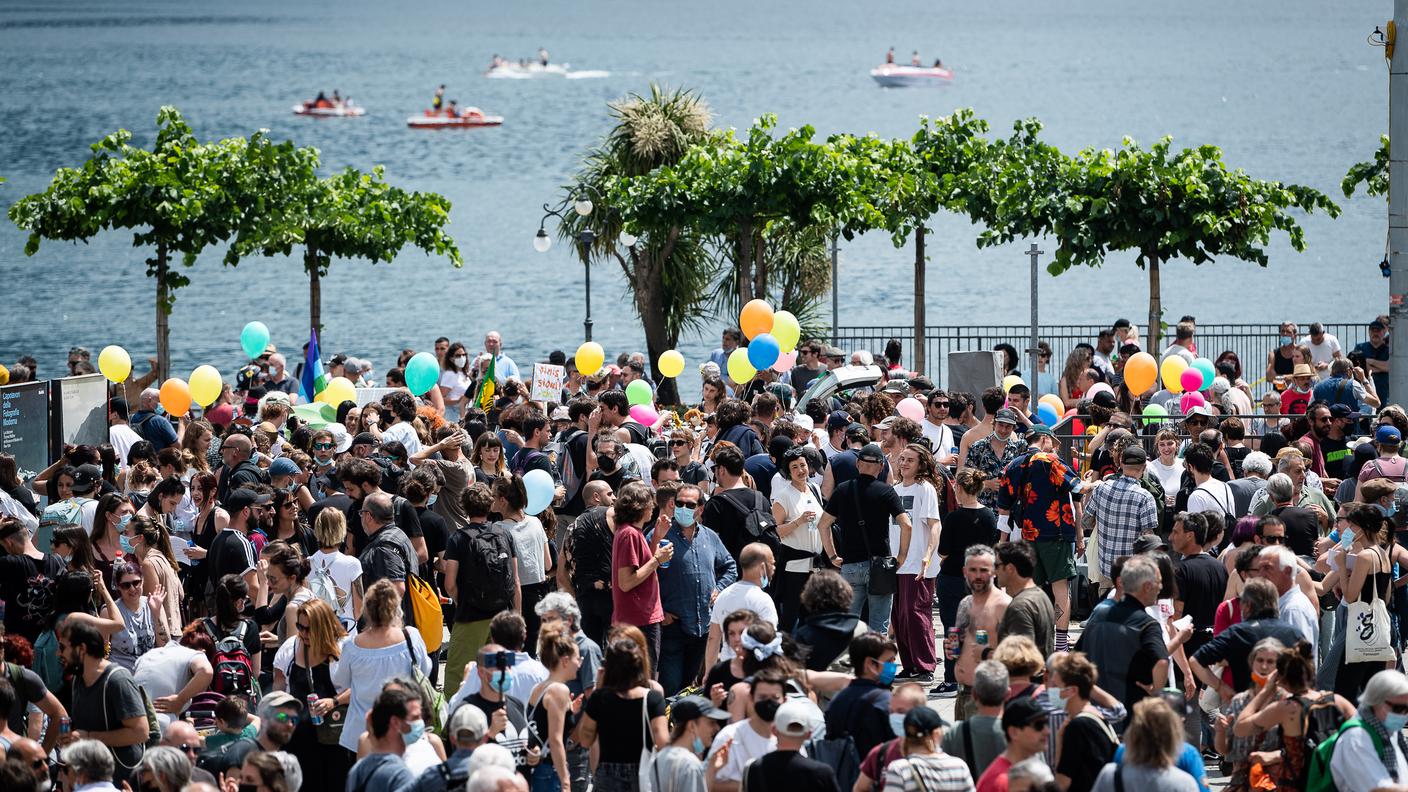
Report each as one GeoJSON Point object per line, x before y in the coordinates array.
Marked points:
{"type": "Point", "coordinates": [767, 710]}
{"type": "Point", "coordinates": [607, 464]}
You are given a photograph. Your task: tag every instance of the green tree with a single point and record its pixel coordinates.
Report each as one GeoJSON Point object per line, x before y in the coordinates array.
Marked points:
{"type": "Point", "coordinates": [1373, 175]}
{"type": "Point", "coordinates": [178, 198]}
{"type": "Point", "coordinates": [1163, 204]}
{"type": "Point", "coordinates": [669, 270]}
{"type": "Point", "coordinates": [350, 214]}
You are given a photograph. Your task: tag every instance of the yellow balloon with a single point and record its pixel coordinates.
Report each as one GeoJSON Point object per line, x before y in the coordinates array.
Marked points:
{"type": "Point", "coordinates": [1054, 402]}
{"type": "Point", "coordinates": [739, 369]}
{"type": "Point", "coordinates": [114, 363]}
{"type": "Point", "coordinates": [1171, 369]}
{"type": "Point", "coordinates": [339, 390]}
{"type": "Point", "coordinates": [786, 330]}
{"type": "Point", "coordinates": [670, 364]}
{"type": "Point", "coordinates": [1009, 381]}
{"type": "Point", "coordinates": [590, 356]}
{"type": "Point", "coordinates": [205, 385]}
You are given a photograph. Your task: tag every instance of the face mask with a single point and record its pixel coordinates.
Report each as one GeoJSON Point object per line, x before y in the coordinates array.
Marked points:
{"type": "Point", "coordinates": [897, 723]}
{"type": "Point", "coordinates": [888, 672]}
{"type": "Point", "coordinates": [417, 731]}
{"type": "Point", "coordinates": [1287, 340]}
{"type": "Point", "coordinates": [500, 682]}
{"type": "Point", "coordinates": [767, 710]}
{"type": "Point", "coordinates": [1347, 539]}
{"type": "Point", "coordinates": [125, 544]}
{"type": "Point", "coordinates": [249, 788]}
{"type": "Point", "coordinates": [431, 500]}
{"type": "Point", "coordinates": [324, 462]}
{"type": "Point", "coordinates": [1258, 679]}
{"type": "Point", "coordinates": [607, 464]}
{"type": "Point", "coordinates": [764, 582]}
{"type": "Point", "coordinates": [1395, 722]}
{"type": "Point", "coordinates": [1053, 697]}
{"type": "Point", "coordinates": [65, 558]}
{"type": "Point", "coordinates": [1387, 511]}
{"type": "Point", "coordinates": [684, 516]}
{"type": "Point", "coordinates": [459, 361]}
{"type": "Point", "coordinates": [698, 746]}
{"type": "Point", "coordinates": [122, 523]}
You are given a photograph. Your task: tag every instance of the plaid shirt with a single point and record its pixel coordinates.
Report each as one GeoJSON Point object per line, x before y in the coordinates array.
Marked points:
{"type": "Point", "coordinates": [1121, 510]}
{"type": "Point", "coordinates": [1040, 485]}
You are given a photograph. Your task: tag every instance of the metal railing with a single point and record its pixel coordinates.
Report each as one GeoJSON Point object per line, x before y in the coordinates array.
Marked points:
{"type": "Point", "coordinates": [1251, 342]}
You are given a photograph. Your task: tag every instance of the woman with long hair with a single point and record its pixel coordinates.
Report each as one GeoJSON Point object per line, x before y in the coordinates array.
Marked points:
{"type": "Point", "coordinates": [162, 504]}
{"type": "Point", "coordinates": [291, 522]}
{"type": "Point", "coordinates": [455, 380]}
{"type": "Point", "coordinates": [151, 547]}
{"type": "Point", "coordinates": [488, 459]}
{"type": "Point", "coordinates": [195, 445]}
{"type": "Point", "coordinates": [383, 649]}
{"type": "Point", "coordinates": [304, 666]}
{"type": "Point", "coordinates": [712, 395]}
{"type": "Point", "coordinates": [623, 697]}
{"type": "Point", "coordinates": [74, 548]}
{"type": "Point", "coordinates": [138, 614]}
{"type": "Point", "coordinates": [211, 519]}
{"type": "Point", "coordinates": [1068, 387]}
{"type": "Point", "coordinates": [231, 597]}
{"type": "Point", "coordinates": [1151, 744]}
{"type": "Point", "coordinates": [73, 596]}
{"type": "Point", "coordinates": [287, 574]}
{"type": "Point", "coordinates": [1234, 736]}
{"type": "Point", "coordinates": [1371, 576]}
{"type": "Point", "coordinates": [109, 521]}
{"type": "Point", "coordinates": [913, 608]}
{"type": "Point", "coordinates": [796, 507]}
{"type": "Point", "coordinates": [552, 714]}
{"type": "Point", "coordinates": [1295, 677]}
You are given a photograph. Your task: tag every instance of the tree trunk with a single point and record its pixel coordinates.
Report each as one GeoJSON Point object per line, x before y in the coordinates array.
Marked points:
{"type": "Point", "coordinates": [163, 318]}
{"type": "Point", "coordinates": [744, 265]}
{"type": "Point", "coordinates": [760, 268]}
{"type": "Point", "coordinates": [917, 354]}
{"type": "Point", "coordinates": [315, 293]}
{"type": "Point", "coordinates": [1156, 309]}
{"type": "Point", "coordinates": [650, 306]}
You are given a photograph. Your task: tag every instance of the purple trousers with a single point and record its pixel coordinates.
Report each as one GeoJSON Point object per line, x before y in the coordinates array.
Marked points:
{"type": "Point", "coordinates": [913, 621]}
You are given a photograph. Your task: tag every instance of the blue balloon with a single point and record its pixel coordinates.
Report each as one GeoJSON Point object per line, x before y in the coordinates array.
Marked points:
{"type": "Point", "coordinates": [1048, 414]}
{"type": "Point", "coordinates": [254, 338]}
{"type": "Point", "coordinates": [422, 372]}
{"type": "Point", "coordinates": [1204, 365]}
{"type": "Point", "coordinates": [540, 489]}
{"type": "Point", "coordinates": [763, 351]}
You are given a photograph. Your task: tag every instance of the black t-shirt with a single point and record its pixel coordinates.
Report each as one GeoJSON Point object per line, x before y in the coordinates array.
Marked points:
{"type": "Point", "coordinates": [843, 468]}
{"type": "Point", "coordinates": [29, 689]}
{"type": "Point", "coordinates": [1302, 528]}
{"type": "Point", "coordinates": [27, 588]}
{"type": "Point", "coordinates": [230, 554]}
{"type": "Point", "coordinates": [1236, 454]}
{"type": "Point", "coordinates": [619, 726]}
{"type": "Point", "coordinates": [721, 674]}
{"type": "Point", "coordinates": [877, 502]}
{"type": "Point", "coordinates": [1235, 643]}
{"type": "Point", "coordinates": [514, 737]}
{"type": "Point", "coordinates": [639, 434]}
{"type": "Point", "coordinates": [615, 479]}
{"type": "Point", "coordinates": [402, 510]}
{"type": "Point", "coordinates": [302, 539]}
{"type": "Point", "coordinates": [1201, 581]}
{"type": "Point", "coordinates": [962, 529]}
{"type": "Point", "coordinates": [791, 771]}
{"type": "Point", "coordinates": [436, 532]}
{"type": "Point", "coordinates": [802, 378]}
{"type": "Point", "coordinates": [726, 513]}
{"type": "Point", "coordinates": [589, 538]}
{"type": "Point", "coordinates": [1085, 749]}
{"type": "Point", "coordinates": [459, 548]}
{"type": "Point", "coordinates": [694, 473]}
{"type": "Point", "coordinates": [576, 451]}
{"type": "Point", "coordinates": [1336, 455]}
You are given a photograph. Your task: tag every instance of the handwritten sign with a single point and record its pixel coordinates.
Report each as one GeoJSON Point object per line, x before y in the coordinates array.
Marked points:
{"type": "Point", "coordinates": [547, 382]}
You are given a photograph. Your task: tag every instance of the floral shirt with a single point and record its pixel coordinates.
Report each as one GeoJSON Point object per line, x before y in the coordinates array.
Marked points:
{"type": "Point", "coordinates": [1040, 486]}
{"type": "Point", "coordinates": [982, 456]}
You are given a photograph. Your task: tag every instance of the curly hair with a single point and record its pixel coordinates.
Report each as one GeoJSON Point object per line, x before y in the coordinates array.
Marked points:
{"type": "Point", "coordinates": [827, 592]}
{"type": "Point", "coordinates": [970, 480]}
{"type": "Point", "coordinates": [876, 407]}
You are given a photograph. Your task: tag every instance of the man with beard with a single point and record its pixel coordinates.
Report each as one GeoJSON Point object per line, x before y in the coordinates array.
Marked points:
{"type": "Point", "coordinates": [980, 611]}
{"type": "Point", "coordinates": [278, 717]}
{"type": "Point", "coordinates": [1330, 448]}
{"type": "Point", "coordinates": [362, 478]}
{"type": "Point", "coordinates": [107, 704]}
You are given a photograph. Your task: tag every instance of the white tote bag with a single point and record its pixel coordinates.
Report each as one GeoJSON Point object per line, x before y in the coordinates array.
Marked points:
{"type": "Point", "coordinates": [1367, 630]}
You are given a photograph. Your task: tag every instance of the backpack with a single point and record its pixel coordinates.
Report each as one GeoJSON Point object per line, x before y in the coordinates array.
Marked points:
{"type": "Point", "coordinates": [234, 671]}
{"type": "Point", "coordinates": [426, 611]}
{"type": "Point", "coordinates": [1318, 776]}
{"type": "Point", "coordinates": [1320, 722]}
{"type": "Point", "coordinates": [758, 523]}
{"type": "Point", "coordinates": [490, 557]}
{"type": "Point", "coordinates": [572, 480]}
{"type": "Point", "coordinates": [322, 585]}
{"type": "Point", "coordinates": [58, 515]}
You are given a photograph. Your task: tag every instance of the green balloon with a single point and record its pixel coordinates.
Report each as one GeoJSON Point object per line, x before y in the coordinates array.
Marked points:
{"type": "Point", "coordinates": [638, 392]}
{"type": "Point", "coordinates": [1152, 411]}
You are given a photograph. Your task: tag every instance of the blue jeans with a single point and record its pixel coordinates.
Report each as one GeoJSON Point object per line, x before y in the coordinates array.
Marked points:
{"type": "Point", "coordinates": [952, 590]}
{"type": "Point", "coordinates": [857, 573]}
{"type": "Point", "coordinates": [681, 657]}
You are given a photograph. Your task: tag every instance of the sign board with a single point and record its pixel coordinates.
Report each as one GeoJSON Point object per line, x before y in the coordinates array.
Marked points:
{"type": "Point", "coordinates": [369, 395]}
{"type": "Point", "coordinates": [82, 410]}
{"type": "Point", "coordinates": [24, 426]}
{"type": "Point", "coordinates": [973, 372]}
{"type": "Point", "coordinates": [547, 382]}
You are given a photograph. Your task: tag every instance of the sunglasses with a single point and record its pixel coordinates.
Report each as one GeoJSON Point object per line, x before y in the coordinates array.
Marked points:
{"type": "Point", "coordinates": [1040, 725]}
{"type": "Point", "coordinates": [285, 717]}
{"type": "Point", "coordinates": [687, 504]}
{"type": "Point", "coordinates": [942, 404]}
{"type": "Point", "coordinates": [1275, 540]}
{"type": "Point", "coordinates": [324, 446]}
{"type": "Point", "coordinates": [187, 748]}
{"type": "Point", "coordinates": [129, 584]}
{"type": "Point", "coordinates": [679, 442]}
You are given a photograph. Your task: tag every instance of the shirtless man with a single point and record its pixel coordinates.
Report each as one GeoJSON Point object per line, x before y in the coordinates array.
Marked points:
{"type": "Point", "coordinates": [981, 610]}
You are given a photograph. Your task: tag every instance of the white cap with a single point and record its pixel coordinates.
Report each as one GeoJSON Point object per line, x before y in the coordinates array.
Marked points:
{"type": "Point", "coordinates": [796, 718]}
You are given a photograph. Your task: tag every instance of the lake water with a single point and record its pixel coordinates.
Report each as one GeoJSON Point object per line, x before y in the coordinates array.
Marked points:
{"type": "Point", "coordinates": [1289, 89]}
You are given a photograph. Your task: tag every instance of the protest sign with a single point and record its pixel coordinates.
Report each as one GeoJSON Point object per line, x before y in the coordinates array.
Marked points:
{"type": "Point", "coordinates": [547, 382]}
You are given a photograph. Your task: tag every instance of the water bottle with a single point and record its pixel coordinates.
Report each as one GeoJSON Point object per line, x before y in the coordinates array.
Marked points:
{"type": "Point", "coordinates": [316, 718]}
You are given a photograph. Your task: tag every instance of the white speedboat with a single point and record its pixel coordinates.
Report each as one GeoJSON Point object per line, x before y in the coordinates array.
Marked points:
{"type": "Point", "coordinates": [466, 117]}
{"type": "Point", "coordinates": [345, 110]}
{"type": "Point", "coordinates": [894, 76]}
{"type": "Point", "coordinates": [520, 71]}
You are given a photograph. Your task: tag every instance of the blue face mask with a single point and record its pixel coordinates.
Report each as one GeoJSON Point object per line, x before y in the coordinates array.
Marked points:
{"type": "Point", "coordinates": [897, 723]}
{"type": "Point", "coordinates": [1387, 511]}
{"type": "Point", "coordinates": [122, 522]}
{"type": "Point", "coordinates": [500, 682]}
{"type": "Point", "coordinates": [125, 544]}
{"type": "Point", "coordinates": [65, 558]}
{"type": "Point", "coordinates": [1395, 722]}
{"type": "Point", "coordinates": [698, 746]}
{"type": "Point", "coordinates": [413, 736]}
{"type": "Point", "coordinates": [684, 516]}
{"type": "Point", "coordinates": [1347, 539]}
{"type": "Point", "coordinates": [888, 672]}
{"type": "Point", "coordinates": [431, 500]}
{"type": "Point", "coordinates": [1287, 340]}
{"type": "Point", "coordinates": [765, 581]}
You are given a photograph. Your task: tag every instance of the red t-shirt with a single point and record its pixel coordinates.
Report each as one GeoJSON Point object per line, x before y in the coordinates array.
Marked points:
{"type": "Point", "coordinates": [879, 759]}
{"type": "Point", "coordinates": [1294, 402]}
{"type": "Point", "coordinates": [641, 605]}
{"type": "Point", "coordinates": [995, 777]}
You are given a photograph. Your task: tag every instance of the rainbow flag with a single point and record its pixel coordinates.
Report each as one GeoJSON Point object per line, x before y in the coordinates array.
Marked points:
{"type": "Point", "coordinates": [487, 388]}
{"type": "Point", "coordinates": [314, 379]}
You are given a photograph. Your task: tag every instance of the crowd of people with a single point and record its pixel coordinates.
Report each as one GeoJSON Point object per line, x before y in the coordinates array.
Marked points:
{"type": "Point", "coordinates": [754, 593]}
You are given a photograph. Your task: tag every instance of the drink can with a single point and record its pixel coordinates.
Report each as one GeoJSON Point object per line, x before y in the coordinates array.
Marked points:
{"type": "Point", "coordinates": [982, 637]}
{"type": "Point", "coordinates": [65, 725]}
{"type": "Point", "coordinates": [665, 543]}
{"type": "Point", "coordinates": [317, 719]}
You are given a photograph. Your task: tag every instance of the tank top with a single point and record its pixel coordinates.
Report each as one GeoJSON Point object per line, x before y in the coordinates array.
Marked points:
{"type": "Point", "coordinates": [538, 718]}
{"type": "Point", "coordinates": [1380, 581]}
{"type": "Point", "coordinates": [1282, 365]}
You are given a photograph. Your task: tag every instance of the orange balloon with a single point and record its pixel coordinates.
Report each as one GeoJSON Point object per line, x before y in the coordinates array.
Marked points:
{"type": "Point", "coordinates": [176, 397]}
{"type": "Point", "coordinates": [1141, 371]}
{"type": "Point", "coordinates": [755, 319]}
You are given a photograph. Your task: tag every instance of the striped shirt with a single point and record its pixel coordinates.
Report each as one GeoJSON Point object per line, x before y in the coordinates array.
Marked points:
{"type": "Point", "coordinates": [936, 772]}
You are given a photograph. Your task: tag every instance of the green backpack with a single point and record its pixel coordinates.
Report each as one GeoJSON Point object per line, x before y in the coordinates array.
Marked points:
{"type": "Point", "coordinates": [1320, 779]}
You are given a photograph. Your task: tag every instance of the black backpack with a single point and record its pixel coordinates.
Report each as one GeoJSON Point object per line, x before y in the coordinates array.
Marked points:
{"type": "Point", "coordinates": [758, 524]}
{"type": "Point", "coordinates": [492, 566]}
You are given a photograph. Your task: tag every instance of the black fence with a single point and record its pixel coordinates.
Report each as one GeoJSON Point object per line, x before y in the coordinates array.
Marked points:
{"type": "Point", "coordinates": [1251, 342]}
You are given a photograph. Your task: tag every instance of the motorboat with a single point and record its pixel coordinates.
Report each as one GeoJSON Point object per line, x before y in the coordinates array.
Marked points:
{"type": "Point", "coordinates": [344, 110]}
{"type": "Point", "coordinates": [510, 70]}
{"type": "Point", "coordinates": [891, 75]}
{"type": "Point", "coordinates": [465, 117]}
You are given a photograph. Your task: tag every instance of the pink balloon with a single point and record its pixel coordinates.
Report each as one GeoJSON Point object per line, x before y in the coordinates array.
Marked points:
{"type": "Point", "coordinates": [1191, 379]}
{"type": "Point", "coordinates": [644, 415]}
{"type": "Point", "coordinates": [785, 362]}
{"type": "Point", "coordinates": [1192, 399]}
{"type": "Point", "coordinates": [910, 408]}
{"type": "Point", "coordinates": [1099, 387]}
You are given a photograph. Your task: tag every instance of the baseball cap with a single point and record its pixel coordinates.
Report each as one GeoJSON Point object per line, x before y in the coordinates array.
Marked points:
{"type": "Point", "coordinates": [1384, 435]}
{"type": "Point", "coordinates": [871, 453]}
{"type": "Point", "coordinates": [1005, 416]}
{"type": "Point", "coordinates": [895, 386]}
{"type": "Point", "coordinates": [341, 437]}
{"type": "Point", "coordinates": [283, 466]}
{"type": "Point", "coordinates": [1040, 430]}
{"type": "Point", "coordinates": [888, 422]}
{"type": "Point", "coordinates": [694, 707]}
{"type": "Point", "coordinates": [1018, 713]}
{"type": "Point", "coordinates": [561, 414]}
{"type": "Point", "coordinates": [1147, 542]}
{"type": "Point", "coordinates": [470, 722]}
{"type": "Point", "coordinates": [363, 438]}
{"type": "Point", "coordinates": [794, 718]}
{"type": "Point", "coordinates": [1105, 399]}
{"type": "Point", "coordinates": [242, 498]}
{"type": "Point", "coordinates": [280, 698]}
{"type": "Point", "coordinates": [86, 477]}
{"type": "Point", "coordinates": [857, 431]}
{"type": "Point", "coordinates": [922, 721]}
{"type": "Point", "coordinates": [1198, 409]}
{"type": "Point", "coordinates": [1377, 325]}
{"type": "Point", "coordinates": [838, 420]}
{"type": "Point", "coordinates": [1134, 454]}
{"type": "Point", "coordinates": [1343, 411]}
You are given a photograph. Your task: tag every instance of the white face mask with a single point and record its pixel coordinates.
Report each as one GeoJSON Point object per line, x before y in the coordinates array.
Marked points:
{"type": "Point", "coordinates": [459, 361]}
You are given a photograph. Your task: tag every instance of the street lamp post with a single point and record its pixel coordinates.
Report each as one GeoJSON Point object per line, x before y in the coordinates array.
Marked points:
{"type": "Point", "coordinates": [583, 206]}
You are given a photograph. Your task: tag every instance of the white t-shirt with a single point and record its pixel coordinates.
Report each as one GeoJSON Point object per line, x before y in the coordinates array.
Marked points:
{"type": "Point", "coordinates": [164, 671]}
{"type": "Point", "coordinates": [747, 745]}
{"type": "Point", "coordinates": [921, 500]}
{"type": "Point", "coordinates": [1323, 352]}
{"type": "Point", "coordinates": [529, 541]}
{"type": "Point", "coordinates": [795, 504]}
{"type": "Point", "coordinates": [1170, 476]}
{"type": "Point", "coordinates": [941, 436]}
{"type": "Point", "coordinates": [344, 571]}
{"type": "Point", "coordinates": [122, 437]}
{"type": "Point", "coordinates": [524, 675]}
{"type": "Point", "coordinates": [458, 382]}
{"type": "Point", "coordinates": [1212, 495]}
{"type": "Point", "coordinates": [741, 595]}
{"type": "Point", "coordinates": [1355, 764]}
{"type": "Point", "coordinates": [405, 434]}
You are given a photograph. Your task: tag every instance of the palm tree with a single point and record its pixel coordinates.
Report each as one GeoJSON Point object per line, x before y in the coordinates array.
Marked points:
{"type": "Point", "coordinates": [669, 271]}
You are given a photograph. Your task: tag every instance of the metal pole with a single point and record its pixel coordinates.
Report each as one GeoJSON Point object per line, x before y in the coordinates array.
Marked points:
{"type": "Point", "coordinates": [918, 356]}
{"type": "Point", "coordinates": [586, 238]}
{"type": "Point", "coordinates": [835, 294]}
{"type": "Point", "coordinates": [1398, 209]}
{"type": "Point", "coordinates": [1034, 252]}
